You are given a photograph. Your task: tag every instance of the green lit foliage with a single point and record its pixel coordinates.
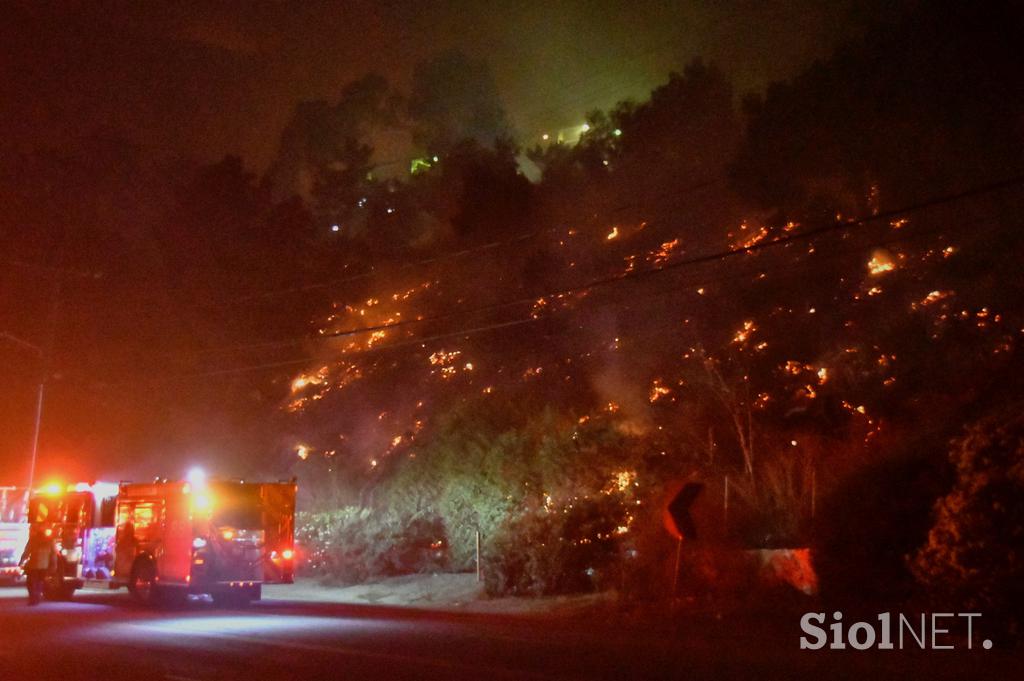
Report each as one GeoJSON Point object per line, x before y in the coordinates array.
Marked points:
{"type": "Point", "coordinates": [352, 545]}
{"type": "Point", "coordinates": [481, 468]}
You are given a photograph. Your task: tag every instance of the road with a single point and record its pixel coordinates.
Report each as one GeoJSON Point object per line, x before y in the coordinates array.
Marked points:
{"type": "Point", "coordinates": [105, 636]}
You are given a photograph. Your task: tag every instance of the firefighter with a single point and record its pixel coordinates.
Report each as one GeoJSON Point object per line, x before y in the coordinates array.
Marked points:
{"type": "Point", "coordinates": [38, 560]}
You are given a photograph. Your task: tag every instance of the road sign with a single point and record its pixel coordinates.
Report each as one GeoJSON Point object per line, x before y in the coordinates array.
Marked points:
{"type": "Point", "coordinates": [680, 521]}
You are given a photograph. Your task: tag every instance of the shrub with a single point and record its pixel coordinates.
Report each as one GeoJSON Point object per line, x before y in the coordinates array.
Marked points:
{"type": "Point", "coordinates": [354, 545]}
{"type": "Point", "coordinates": [974, 555]}
{"type": "Point", "coordinates": [549, 552]}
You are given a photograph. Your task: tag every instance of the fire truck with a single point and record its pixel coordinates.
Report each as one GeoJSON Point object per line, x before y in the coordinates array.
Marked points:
{"type": "Point", "coordinates": [166, 539]}
{"type": "Point", "coordinates": [13, 531]}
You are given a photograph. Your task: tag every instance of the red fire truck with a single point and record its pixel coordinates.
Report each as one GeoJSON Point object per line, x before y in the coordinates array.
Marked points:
{"type": "Point", "coordinates": [164, 540]}
{"type": "Point", "coordinates": [13, 531]}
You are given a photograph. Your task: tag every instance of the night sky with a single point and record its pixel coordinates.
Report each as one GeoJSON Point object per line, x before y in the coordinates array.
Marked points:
{"type": "Point", "coordinates": [206, 79]}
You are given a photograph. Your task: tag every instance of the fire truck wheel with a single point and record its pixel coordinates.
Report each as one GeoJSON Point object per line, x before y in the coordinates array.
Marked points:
{"type": "Point", "coordinates": [142, 583]}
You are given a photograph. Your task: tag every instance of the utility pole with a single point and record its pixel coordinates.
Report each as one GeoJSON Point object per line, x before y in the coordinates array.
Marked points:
{"type": "Point", "coordinates": [41, 391]}
{"type": "Point", "coordinates": [44, 354]}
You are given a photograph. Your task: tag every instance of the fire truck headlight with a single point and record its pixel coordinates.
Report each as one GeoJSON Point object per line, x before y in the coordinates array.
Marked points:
{"type": "Point", "coordinates": [287, 554]}
{"type": "Point", "coordinates": [199, 543]}
{"type": "Point", "coordinates": [202, 502]}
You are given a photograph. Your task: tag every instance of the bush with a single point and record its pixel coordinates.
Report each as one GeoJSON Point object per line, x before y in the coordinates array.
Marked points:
{"type": "Point", "coordinates": [548, 552]}
{"type": "Point", "coordinates": [974, 556]}
{"type": "Point", "coordinates": [354, 545]}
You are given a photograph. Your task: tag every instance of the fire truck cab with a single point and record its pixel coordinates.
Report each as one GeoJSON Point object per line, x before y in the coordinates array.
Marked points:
{"type": "Point", "coordinates": [166, 539]}
{"type": "Point", "coordinates": [13, 531]}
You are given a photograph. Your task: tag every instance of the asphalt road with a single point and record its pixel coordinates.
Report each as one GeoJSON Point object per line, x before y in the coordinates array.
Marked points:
{"type": "Point", "coordinates": [105, 636]}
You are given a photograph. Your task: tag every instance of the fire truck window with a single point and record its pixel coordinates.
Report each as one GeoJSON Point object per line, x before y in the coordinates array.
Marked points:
{"type": "Point", "coordinates": [74, 510]}
{"type": "Point", "coordinates": [138, 521]}
{"type": "Point", "coordinates": [144, 518]}
{"type": "Point", "coordinates": [107, 508]}
{"type": "Point", "coordinates": [40, 511]}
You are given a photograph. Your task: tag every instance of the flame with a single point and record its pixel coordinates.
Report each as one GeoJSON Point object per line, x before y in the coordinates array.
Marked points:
{"type": "Point", "coordinates": [658, 391]}
{"type": "Point", "coordinates": [623, 480]}
{"type": "Point", "coordinates": [614, 234]}
{"type": "Point", "coordinates": [743, 334]}
{"type": "Point", "coordinates": [880, 263]}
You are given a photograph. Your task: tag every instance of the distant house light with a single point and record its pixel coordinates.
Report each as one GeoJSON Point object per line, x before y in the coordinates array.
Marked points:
{"type": "Point", "coordinates": [335, 228]}
{"type": "Point", "coordinates": [545, 137]}
{"type": "Point", "coordinates": [617, 132]}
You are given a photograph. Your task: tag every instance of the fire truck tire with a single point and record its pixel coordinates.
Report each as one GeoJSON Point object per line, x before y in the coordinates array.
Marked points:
{"type": "Point", "coordinates": [142, 583]}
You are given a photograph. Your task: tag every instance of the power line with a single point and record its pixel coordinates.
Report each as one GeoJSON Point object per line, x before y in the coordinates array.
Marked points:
{"type": "Point", "coordinates": [704, 280]}
{"type": "Point", "coordinates": [707, 258]}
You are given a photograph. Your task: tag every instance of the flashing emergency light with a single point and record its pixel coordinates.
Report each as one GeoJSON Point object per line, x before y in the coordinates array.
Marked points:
{"type": "Point", "coordinates": [228, 534]}
{"type": "Point", "coordinates": [287, 554]}
{"type": "Point", "coordinates": [196, 477]}
{"type": "Point", "coordinates": [53, 488]}
{"type": "Point", "coordinates": [202, 502]}
{"type": "Point", "coordinates": [199, 543]}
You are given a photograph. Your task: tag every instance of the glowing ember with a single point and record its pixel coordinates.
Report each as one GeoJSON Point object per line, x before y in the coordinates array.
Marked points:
{"type": "Point", "coordinates": [441, 357]}
{"type": "Point", "coordinates": [880, 263]}
{"type": "Point", "coordinates": [658, 391]}
{"type": "Point", "coordinates": [304, 380]}
{"type": "Point", "coordinates": [743, 334]}
{"type": "Point", "coordinates": [624, 480]}
{"type": "Point", "coordinates": [614, 234]}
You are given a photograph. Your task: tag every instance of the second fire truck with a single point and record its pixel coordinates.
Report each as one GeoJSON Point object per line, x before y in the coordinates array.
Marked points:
{"type": "Point", "coordinates": [166, 539]}
{"type": "Point", "coordinates": [13, 531]}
